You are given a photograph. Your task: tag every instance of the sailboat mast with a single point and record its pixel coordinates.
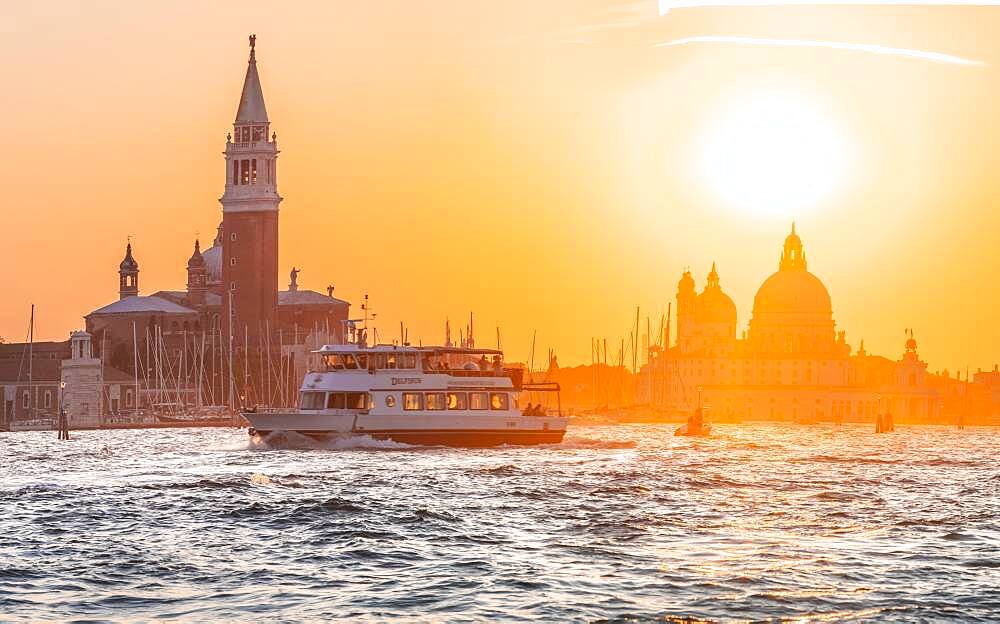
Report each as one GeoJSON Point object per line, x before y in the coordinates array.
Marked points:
{"type": "Point", "coordinates": [135, 367]}
{"type": "Point", "coordinates": [232, 380]}
{"type": "Point", "coordinates": [31, 362]}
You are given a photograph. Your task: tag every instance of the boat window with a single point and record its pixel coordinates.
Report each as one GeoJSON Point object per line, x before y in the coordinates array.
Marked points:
{"type": "Point", "coordinates": [349, 361]}
{"type": "Point", "coordinates": [390, 400]}
{"type": "Point", "coordinates": [478, 401]}
{"type": "Point", "coordinates": [357, 400]}
{"type": "Point", "coordinates": [390, 360]}
{"type": "Point", "coordinates": [435, 401]}
{"type": "Point", "coordinates": [335, 400]}
{"type": "Point", "coordinates": [413, 401]}
{"type": "Point", "coordinates": [312, 400]}
{"type": "Point", "coordinates": [499, 401]}
{"type": "Point", "coordinates": [410, 360]}
{"type": "Point", "coordinates": [363, 361]}
{"type": "Point", "coordinates": [380, 360]}
{"type": "Point", "coordinates": [458, 401]}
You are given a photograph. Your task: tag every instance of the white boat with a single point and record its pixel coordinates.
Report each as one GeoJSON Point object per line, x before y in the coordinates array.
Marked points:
{"type": "Point", "coordinates": [448, 396]}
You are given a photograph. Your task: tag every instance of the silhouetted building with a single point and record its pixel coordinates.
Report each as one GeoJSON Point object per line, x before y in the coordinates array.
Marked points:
{"type": "Point", "coordinates": [791, 363]}
{"type": "Point", "coordinates": [231, 337]}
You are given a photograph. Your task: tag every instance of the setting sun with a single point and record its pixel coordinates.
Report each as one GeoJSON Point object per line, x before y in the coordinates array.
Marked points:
{"type": "Point", "coordinates": [773, 155]}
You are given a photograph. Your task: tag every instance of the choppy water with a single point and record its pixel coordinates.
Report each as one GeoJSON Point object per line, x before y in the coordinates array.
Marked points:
{"type": "Point", "coordinates": [760, 521]}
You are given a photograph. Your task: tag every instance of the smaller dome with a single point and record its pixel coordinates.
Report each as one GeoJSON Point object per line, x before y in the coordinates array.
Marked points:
{"type": "Point", "coordinates": [715, 306]}
{"type": "Point", "coordinates": [128, 263]}
{"type": "Point", "coordinates": [196, 260]}
{"type": "Point", "coordinates": [213, 263]}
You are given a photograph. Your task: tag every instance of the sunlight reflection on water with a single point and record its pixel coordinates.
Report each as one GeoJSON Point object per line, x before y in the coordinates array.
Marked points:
{"type": "Point", "coordinates": [760, 520]}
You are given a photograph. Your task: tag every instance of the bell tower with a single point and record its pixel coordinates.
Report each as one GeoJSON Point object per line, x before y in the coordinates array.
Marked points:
{"type": "Point", "coordinates": [250, 214]}
{"type": "Point", "coordinates": [686, 298]}
{"type": "Point", "coordinates": [128, 275]}
{"type": "Point", "coordinates": [197, 284]}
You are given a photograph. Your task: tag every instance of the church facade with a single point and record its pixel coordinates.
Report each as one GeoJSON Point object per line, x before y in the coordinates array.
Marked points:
{"type": "Point", "coordinates": [790, 364]}
{"type": "Point", "coordinates": [231, 336]}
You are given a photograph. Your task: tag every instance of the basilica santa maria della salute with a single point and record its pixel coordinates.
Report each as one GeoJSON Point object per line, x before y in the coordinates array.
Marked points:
{"type": "Point", "coordinates": [792, 363]}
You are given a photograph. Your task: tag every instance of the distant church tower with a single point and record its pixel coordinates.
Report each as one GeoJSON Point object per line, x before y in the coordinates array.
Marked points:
{"type": "Point", "coordinates": [197, 283]}
{"type": "Point", "coordinates": [686, 300]}
{"type": "Point", "coordinates": [250, 215]}
{"type": "Point", "coordinates": [128, 275]}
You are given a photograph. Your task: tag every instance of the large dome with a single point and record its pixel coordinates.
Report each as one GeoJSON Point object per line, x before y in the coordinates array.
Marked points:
{"type": "Point", "coordinates": [792, 291]}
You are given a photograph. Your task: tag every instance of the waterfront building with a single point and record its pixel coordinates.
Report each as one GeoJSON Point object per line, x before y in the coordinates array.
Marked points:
{"type": "Point", "coordinates": [792, 363]}
{"type": "Point", "coordinates": [36, 379]}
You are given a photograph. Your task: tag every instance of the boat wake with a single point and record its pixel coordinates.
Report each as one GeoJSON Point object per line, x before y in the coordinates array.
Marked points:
{"type": "Point", "coordinates": [573, 442]}
{"type": "Point", "coordinates": [290, 440]}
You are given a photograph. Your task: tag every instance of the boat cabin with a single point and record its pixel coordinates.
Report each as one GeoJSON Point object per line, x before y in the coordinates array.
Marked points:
{"type": "Point", "coordinates": [459, 362]}
{"type": "Point", "coordinates": [390, 379]}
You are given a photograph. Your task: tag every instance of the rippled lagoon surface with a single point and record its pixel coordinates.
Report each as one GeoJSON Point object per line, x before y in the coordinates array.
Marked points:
{"type": "Point", "coordinates": [760, 521]}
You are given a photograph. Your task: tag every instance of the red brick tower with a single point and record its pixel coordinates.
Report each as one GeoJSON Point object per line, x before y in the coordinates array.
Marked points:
{"type": "Point", "coordinates": [250, 217]}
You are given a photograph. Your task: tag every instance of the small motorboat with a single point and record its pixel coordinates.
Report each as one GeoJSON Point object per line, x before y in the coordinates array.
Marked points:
{"type": "Point", "coordinates": [695, 426]}
{"type": "Point", "coordinates": [687, 430]}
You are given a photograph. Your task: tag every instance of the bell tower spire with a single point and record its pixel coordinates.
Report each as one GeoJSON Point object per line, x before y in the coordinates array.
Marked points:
{"type": "Point", "coordinates": [250, 212]}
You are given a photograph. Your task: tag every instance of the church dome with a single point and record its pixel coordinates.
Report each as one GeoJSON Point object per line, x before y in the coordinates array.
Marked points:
{"type": "Point", "coordinates": [212, 258]}
{"type": "Point", "coordinates": [796, 292]}
{"type": "Point", "coordinates": [213, 263]}
{"type": "Point", "coordinates": [713, 305]}
{"type": "Point", "coordinates": [128, 263]}
{"type": "Point", "coordinates": [196, 260]}
{"type": "Point", "coordinates": [793, 289]}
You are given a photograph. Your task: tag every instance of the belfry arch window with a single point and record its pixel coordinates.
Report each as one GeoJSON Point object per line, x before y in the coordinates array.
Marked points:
{"type": "Point", "coordinates": [253, 171]}
{"type": "Point", "coordinates": [244, 172]}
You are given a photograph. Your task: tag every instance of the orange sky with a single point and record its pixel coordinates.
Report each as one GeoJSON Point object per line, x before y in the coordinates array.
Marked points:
{"type": "Point", "coordinates": [529, 161]}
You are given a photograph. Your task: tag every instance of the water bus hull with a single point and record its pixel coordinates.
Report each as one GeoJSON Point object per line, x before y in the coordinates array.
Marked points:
{"type": "Point", "coordinates": [445, 431]}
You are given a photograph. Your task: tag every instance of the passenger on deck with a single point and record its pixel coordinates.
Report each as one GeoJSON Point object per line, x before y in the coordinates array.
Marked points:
{"type": "Point", "coordinates": [497, 365]}
{"type": "Point", "coordinates": [528, 411]}
{"type": "Point", "coordinates": [484, 364]}
{"type": "Point", "coordinates": [441, 366]}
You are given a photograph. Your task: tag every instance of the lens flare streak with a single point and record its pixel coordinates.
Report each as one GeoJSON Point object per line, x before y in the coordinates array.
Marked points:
{"type": "Point", "coordinates": [937, 57]}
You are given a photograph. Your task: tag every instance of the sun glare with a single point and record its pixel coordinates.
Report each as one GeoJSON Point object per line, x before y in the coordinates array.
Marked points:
{"type": "Point", "coordinates": [773, 155]}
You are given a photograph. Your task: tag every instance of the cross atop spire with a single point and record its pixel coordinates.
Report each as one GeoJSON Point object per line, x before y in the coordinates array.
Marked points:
{"type": "Point", "coordinates": [252, 107]}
